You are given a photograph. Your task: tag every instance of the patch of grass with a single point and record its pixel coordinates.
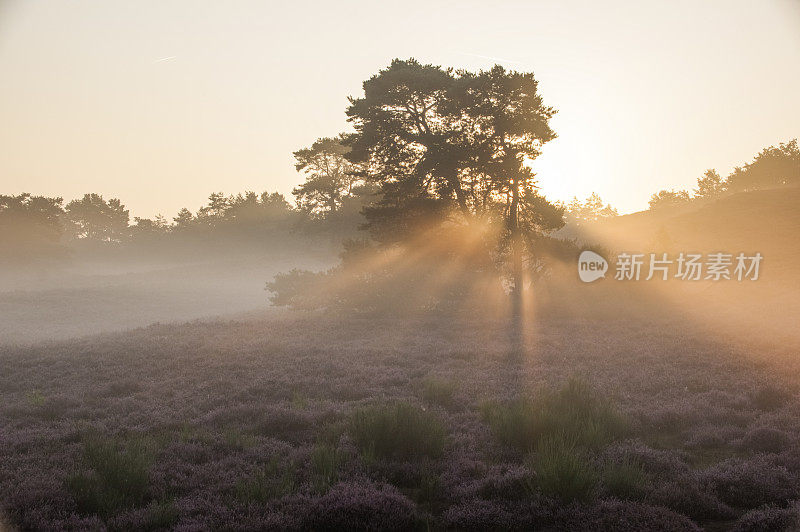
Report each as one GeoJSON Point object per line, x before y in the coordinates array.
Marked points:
{"type": "Point", "coordinates": [562, 469]}
{"type": "Point", "coordinates": [238, 440]}
{"type": "Point", "coordinates": [299, 401]}
{"type": "Point", "coordinates": [161, 516]}
{"type": "Point", "coordinates": [575, 411]}
{"type": "Point", "coordinates": [36, 398]}
{"type": "Point", "coordinates": [625, 480]}
{"type": "Point", "coordinates": [325, 462]}
{"type": "Point", "coordinates": [397, 430]}
{"type": "Point", "coordinates": [270, 482]}
{"type": "Point", "coordinates": [118, 476]}
{"type": "Point", "coordinates": [439, 392]}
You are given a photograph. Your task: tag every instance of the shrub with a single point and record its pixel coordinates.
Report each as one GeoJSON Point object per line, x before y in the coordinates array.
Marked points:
{"type": "Point", "coordinates": [117, 478]}
{"type": "Point", "coordinates": [439, 392]}
{"type": "Point", "coordinates": [269, 482]}
{"type": "Point", "coordinates": [361, 506]}
{"type": "Point", "coordinates": [562, 470]}
{"type": "Point", "coordinates": [398, 430]}
{"type": "Point", "coordinates": [624, 516]}
{"type": "Point", "coordinates": [751, 483]}
{"type": "Point", "coordinates": [575, 411]}
{"type": "Point", "coordinates": [769, 519]}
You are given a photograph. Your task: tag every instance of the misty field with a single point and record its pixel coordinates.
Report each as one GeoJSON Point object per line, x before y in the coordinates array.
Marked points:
{"type": "Point", "coordinates": [613, 419]}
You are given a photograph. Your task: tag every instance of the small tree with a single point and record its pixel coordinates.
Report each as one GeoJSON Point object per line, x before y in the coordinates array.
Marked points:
{"type": "Point", "coordinates": [710, 185]}
{"type": "Point", "coordinates": [590, 210]}
{"type": "Point", "coordinates": [668, 198]}
{"type": "Point", "coordinates": [330, 177]}
{"type": "Point", "coordinates": [183, 219]}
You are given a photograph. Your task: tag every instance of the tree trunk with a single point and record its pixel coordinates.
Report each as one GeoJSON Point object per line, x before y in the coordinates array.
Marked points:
{"type": "Point", "coordinates": [516, 250]}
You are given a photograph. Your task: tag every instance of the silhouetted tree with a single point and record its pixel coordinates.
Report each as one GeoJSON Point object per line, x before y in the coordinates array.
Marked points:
{"type": "Point", "coordinates": [330, 177]}
{"type": "Point", "coordinates": [94, 218]}
{"type": "Point", "coordinates": [149, 227]}
{"type": "Point", "coordinates": [30, 226]}
{"type": "Point", "coordinates": [710, 185]}
{"type": "Point", "coordinates": [590, 210]}
{"type": "Point", "coordinates": [446, 145]}
{"type": "Point", "coordinates": [771, 167]}
{"type": "Point", "coordinates": [183, 219]}
{"type": "Point", "coordinates": [214, 211]}
{"type": "Point", "coordinates": [668, 198]}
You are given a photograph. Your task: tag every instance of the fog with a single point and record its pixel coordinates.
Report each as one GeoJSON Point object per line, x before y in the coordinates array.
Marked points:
{"type": "Point", "coordinates": [90, 295]}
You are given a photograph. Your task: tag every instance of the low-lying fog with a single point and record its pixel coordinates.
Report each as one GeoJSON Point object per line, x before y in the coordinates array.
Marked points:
{"type": "Point", "coordinates": [94, 296]}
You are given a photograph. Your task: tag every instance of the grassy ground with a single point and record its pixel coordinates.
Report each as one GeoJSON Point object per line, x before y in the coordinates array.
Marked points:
{"type": "Point", "coordinates": [614, 416]}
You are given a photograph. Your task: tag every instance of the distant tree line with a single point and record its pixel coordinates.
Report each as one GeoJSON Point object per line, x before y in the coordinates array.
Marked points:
{"type": "Point", "coordinates": [38, 227]}
{"type": "Point", "coordinates": [772, 167]}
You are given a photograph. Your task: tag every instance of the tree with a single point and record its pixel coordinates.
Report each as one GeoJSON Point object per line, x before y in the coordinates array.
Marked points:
{"type": "Point", "coordinates": [183, 219]}
{"type": "Point", "coordinates": [330, 177]}
{"type": "Point", "coordinates": [590, 210]}
{"type": "Point", "coordinates": [452, 146]}
{"type": "Point", "coordinates": [774, 166]}
{"type": "Point", "coordinates": [668, 198]}
{"type": "Point", "coordinates": [30, 225]}
{"type": "Point", "coordinates": [94, 218]}
{"type": "Point", "coordinates": [146, 226]}
{"type": "Point", "coordinates": [710, 185]}
{"type": "Point", "coordinates": [214, 211]}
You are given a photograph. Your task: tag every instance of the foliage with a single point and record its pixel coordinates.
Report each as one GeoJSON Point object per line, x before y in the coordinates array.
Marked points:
{"type": "Point", "coordinates": [562, 469]}
{"type": "Point", "coordinates": [117, 477]}
{"type": "Point", "coordinates": [30, 226]}
{"type": "Point", "coordinates": [325, 462]}
{"type": "Point", "coordinates": [711, 185]}
{"type": "Point", "coordinates": [94, 218]}
{"type": "Point", "coordinates": [668, 198]}
{"type": "Point", "coordinates": [269, 482]}
{"type": "Point", "coordinates": [575, 412]}
{"type": "Point", "coordinates": [591, 209]}
{"type": "Point", "coordinates": [774, 166]}
{"type": "Point", "coordinates": [451, 146]}
{"type": "Point", "coordinates": [439, 392]}
{"type": "Point", "coordinates": [330, 177]}
{"type": "Point", "coordinates": [397, 430]}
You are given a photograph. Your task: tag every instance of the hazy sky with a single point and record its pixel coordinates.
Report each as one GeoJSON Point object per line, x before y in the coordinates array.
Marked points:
{"type": "Point", "coordinates": [161, 102]}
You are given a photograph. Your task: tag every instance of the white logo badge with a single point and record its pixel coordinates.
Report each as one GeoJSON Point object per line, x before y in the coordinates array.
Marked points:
{"type": "Point", "coordinates": [591, 266]}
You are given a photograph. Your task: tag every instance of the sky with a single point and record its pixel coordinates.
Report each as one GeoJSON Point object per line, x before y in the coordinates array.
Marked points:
{"type": "Point", "coordinates": [161, 102]}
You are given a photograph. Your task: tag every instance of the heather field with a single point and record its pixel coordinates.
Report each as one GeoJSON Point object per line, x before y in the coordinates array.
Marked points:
{"type": "Point", "coordinates": [583, 418]}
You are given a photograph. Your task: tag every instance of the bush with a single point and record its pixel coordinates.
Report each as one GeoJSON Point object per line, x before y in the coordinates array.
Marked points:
{"type": "Point", "coordinates": [575, 412]}
{"type": "Point", "coordinates": [562, 470]}
{"type": "Point", "coordinates": [751, 483]}
{"type": "Point", "coordinates": [769, 519]}
{"type": "Point", "coordinates": [625, 516]}
{"type": "Point", "coordinates": [118, 476]}
{"type": "Point", "coordinates": [398, 430]}
{"type": "Point", "coordinates": [361, 506]}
